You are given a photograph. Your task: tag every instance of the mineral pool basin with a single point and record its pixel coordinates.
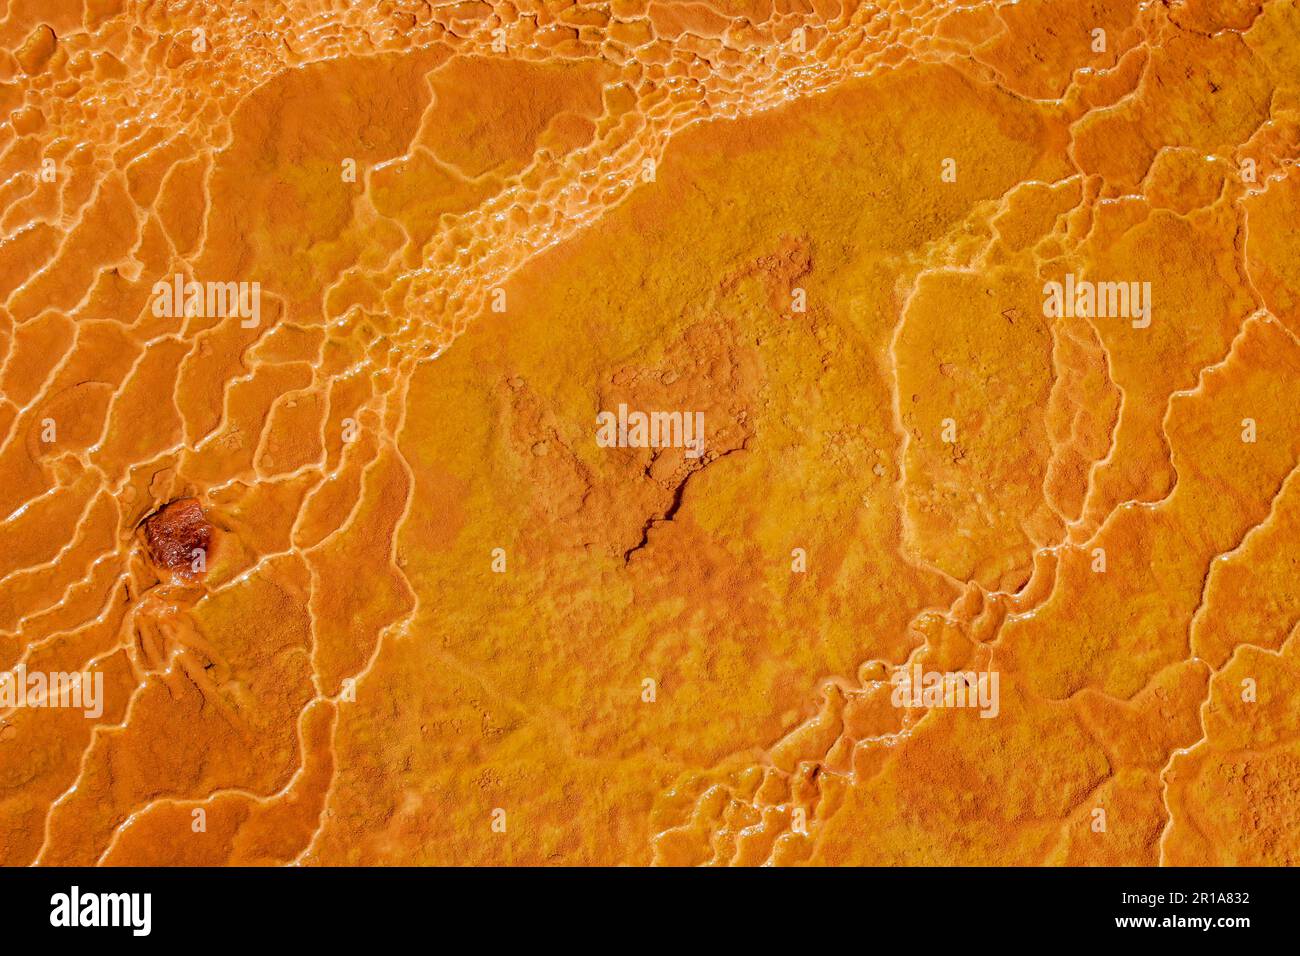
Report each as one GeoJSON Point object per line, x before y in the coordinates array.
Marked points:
{"type": "Point", "coordinates": [362, 586]}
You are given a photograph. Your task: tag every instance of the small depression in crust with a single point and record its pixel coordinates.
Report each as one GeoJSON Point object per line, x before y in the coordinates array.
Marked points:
{"type": "Point", "coordinates": [177, 537]}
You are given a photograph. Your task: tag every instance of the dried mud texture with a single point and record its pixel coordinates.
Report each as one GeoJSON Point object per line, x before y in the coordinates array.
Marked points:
{"type": "Point", "coordinates": [641, 186]}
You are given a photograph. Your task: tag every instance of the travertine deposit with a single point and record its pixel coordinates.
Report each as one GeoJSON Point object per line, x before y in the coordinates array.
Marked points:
{"type": "Point", "coordinates": [307, 312]}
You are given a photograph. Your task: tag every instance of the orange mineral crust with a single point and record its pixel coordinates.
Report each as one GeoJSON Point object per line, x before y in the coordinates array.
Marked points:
{"type": "Point", "coordinates": [650, 432]}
